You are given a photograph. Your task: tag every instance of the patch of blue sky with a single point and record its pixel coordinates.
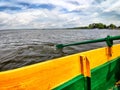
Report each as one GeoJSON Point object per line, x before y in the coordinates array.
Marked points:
{"type": "Point", "coordinates": [4, 8]}
{"type": "Point", "coordinates": [23, 4]}
{"type": "Point", "coordinates": [37, 6]}
{"type": "Point", "coordinates": [6, 0]}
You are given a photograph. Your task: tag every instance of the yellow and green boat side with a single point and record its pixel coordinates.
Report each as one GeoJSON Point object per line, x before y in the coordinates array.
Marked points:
{"type": "Point", "coordinates": [97, 69]}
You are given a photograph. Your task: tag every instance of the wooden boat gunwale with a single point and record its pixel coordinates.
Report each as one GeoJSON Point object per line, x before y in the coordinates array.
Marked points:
{"type": "Point", "coordinates": [54, 74]}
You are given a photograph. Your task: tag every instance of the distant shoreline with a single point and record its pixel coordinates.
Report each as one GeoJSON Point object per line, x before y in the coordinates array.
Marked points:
{"type": "Point", "coordinates": [98, 26]}
{"type": "Point", "coordinates": [90, 26]}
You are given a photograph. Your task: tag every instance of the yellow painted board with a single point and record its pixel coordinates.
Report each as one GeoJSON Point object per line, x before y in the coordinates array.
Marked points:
{"type": "Point", "coordinates": [49, 74]}
{"type": "Point", "coordinates": [42, 76]}
{"type": "Point", "coordinates": [100, 56]}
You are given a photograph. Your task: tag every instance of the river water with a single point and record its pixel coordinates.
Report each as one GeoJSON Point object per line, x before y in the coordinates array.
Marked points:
{"type": "Point", "coordinates": [24, 47]}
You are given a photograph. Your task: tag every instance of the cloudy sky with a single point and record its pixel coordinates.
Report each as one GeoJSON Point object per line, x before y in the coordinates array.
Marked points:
{"type": "Point", "coordinates": [57, 13]}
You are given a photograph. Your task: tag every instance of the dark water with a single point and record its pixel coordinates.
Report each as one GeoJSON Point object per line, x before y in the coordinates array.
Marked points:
{"type": "Point", "coordinates": [24, 47]}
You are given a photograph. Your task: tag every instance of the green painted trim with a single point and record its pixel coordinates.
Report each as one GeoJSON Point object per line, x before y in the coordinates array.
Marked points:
{"type": "Point", "coordinates": [108, 39]}
{"type": "Point", "coordinates": [72, 84]}
{"type": "Point", "coordinates": [105, 76]}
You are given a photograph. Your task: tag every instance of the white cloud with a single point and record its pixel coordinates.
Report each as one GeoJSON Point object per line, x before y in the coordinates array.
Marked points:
{"type": "Point", "coordinates": [35, 18]}
{"type": "Point", "coordinates": [84, 13]}
{"type": "Point", "coordinates": [4, 18]}
{"type": "Point", "coordinates": [114, 7]}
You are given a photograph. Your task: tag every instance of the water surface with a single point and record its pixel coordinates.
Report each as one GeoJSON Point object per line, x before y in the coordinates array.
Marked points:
{"type": "Point", "coordinates": [24, 47]}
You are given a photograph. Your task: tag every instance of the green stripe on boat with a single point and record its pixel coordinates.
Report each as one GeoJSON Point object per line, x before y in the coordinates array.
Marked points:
{"type": "Point", "coordinates": [103, 77]}
{"type": "Point", "coordinates": [76, 83]}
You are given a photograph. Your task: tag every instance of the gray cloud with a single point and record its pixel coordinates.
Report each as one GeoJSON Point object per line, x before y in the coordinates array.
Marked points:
{"type": "Point", "coordinates": [52, 14]}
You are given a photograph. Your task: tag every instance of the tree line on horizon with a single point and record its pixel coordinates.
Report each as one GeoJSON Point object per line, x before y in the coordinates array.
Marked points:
{"type": "Point", "coordinates": [98, 26]}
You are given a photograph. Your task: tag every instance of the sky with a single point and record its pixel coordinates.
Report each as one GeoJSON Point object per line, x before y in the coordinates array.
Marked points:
{"type": "Point", "coordinates": [18, 14]}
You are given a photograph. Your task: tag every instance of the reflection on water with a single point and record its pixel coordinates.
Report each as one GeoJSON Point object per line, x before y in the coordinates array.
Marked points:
{"type": "Point", "coordinates": [24, 47]}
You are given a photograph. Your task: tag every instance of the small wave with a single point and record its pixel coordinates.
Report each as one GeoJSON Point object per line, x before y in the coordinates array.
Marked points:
{"type": "Point", "coordinates": [26, 55]}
